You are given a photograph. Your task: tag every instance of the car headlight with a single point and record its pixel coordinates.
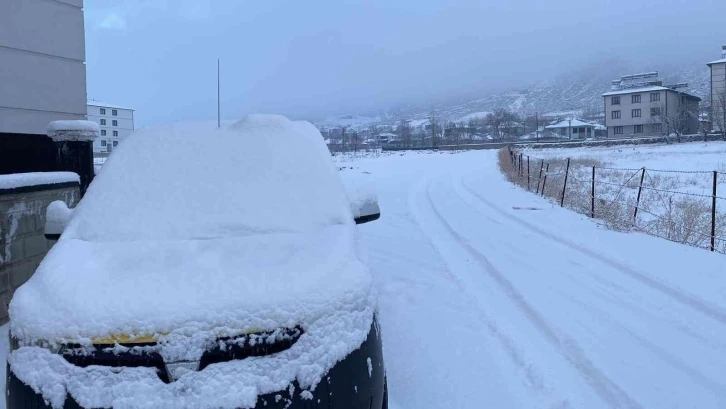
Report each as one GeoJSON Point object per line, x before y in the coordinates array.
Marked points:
{"type": "Point", "coordinates": [14, 343]}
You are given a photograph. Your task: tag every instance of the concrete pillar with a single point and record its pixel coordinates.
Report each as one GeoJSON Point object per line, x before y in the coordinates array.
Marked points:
{"type": "Point", "coordinates": [74, 145]}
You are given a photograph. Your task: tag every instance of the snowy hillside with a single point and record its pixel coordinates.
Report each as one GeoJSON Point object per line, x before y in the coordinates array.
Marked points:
{"type": "Point", "coordinates": [579, 90]}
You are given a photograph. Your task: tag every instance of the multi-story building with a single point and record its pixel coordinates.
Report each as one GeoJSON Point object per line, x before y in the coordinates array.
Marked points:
{"type": "Point", "coordinates": [43, 77]}
{"type": "Point", "coordinates": [718, 92]}
{"type": "Point", "coordinates": [114, 121]}
{"type": "Point", "coordinates": [639, 105]}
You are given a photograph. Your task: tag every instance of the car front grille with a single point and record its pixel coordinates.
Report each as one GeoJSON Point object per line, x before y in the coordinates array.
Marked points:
{"type": "Point", "coordinates": [225, 349]}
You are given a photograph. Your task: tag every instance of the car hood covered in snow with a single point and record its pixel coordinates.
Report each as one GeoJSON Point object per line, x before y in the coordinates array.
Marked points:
{"type": "Point", "coordinates": [85, 290]}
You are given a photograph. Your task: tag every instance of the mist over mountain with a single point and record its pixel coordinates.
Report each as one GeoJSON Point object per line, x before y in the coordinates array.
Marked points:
{"type": "Point", "coordinates": [575, 90]}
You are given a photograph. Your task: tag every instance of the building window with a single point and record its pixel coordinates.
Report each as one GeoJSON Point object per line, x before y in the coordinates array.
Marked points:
{"type": "Point", "coordinates": [615, 101]}
{"type": "Point", "coordinates": [655, 97]}
{"type": "Point", "coordinates": [103, 132]}
{"type": "Point", "coordinates": [615, 115]}
{"type": "Point", "coordinates": [103, 111]}
{"type": "Point", "coordinates": [115, 133]}
{"type": "Point", "coordinates": [114, 112]}
{"type": "Point", "coordinates": [115, 144]}
{"type": "Point", "coordinates": [575, 130]}
{"type": "Point", "coordinates": [636, 99]}
{"type": "Point", "coordinates": [103, 122]}
{"type": "Point", "coordinates": [656, 128]}
{"type": "Point", "coordinates": [638, 129]}
{"type": "Point", "coordinates": [114, 122]}
{"type": "Point", "coordinates": [563, 131]}
{"type": "Point", "coordinates": [655, 111]}
{"type": "Point", "coordinates": [103, 142]}
{"type": "Point", "coordinates": [635, 113]}
{"type": "Point", "coordinates": [618, 130]}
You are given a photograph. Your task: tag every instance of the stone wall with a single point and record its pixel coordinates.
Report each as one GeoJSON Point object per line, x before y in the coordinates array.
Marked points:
{"type": "Point", "coordinates": [22, 241]}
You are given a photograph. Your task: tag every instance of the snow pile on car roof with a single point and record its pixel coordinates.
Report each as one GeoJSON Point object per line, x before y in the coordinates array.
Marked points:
{"type": "Point", "coordinates": [263, 174]}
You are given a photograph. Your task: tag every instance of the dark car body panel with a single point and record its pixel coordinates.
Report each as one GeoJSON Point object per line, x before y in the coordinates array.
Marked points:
{"type": "Point", "coordinates": [353, 383]}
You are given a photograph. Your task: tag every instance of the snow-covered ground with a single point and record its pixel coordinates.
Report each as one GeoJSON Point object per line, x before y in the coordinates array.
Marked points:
{"type": "Point", "coordinates": [492, 297]}
{"type": "Point", "coordinates": [706, 156]}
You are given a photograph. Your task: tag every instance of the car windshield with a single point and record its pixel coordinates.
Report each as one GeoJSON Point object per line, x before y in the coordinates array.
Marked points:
{"type": "Point", "coordinates": [264, 174]}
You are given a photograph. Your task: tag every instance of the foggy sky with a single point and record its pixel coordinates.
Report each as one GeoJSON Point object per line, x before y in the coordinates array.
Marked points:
{"type": "Point", "coordinates": [311, 59]}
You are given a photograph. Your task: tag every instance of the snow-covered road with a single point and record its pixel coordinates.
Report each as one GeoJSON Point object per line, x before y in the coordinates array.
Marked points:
{"type": "Point", "coordinates": [493, 297]}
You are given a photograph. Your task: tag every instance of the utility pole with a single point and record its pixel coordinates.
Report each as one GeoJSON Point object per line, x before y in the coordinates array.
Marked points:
{"type": "Point", "coordinates": [536, 119]}
{"type": "Point", "coordinates": [219, 108]}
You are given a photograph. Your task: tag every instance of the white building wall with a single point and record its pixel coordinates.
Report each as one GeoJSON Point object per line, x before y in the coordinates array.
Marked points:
{"type": "Point", "coordinates": [718, 90]}
{"type": "Point", "coordinates": [42, 70]}
{"type": "Point", "coordinates": [124, 125]}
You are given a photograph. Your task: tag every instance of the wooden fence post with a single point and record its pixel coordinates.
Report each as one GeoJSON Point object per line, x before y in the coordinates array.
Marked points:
{"type": "Point", "coordinates": [539, 179]}
{"type": "Point", "coordinates": [564, 186]}
{"type": "Point", "coordinates": [637, 201]}
{"type": "Point", "coordinates": [528, 178]}
{"type": "Point", "coordinates": [544, 181]}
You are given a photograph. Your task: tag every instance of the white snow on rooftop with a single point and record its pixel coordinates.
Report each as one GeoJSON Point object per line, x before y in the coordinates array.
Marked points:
{"type": "Point", "coordinates": [721, 61]}
{"type": "Point", "coordinates": [575, 123]}
{"type": "Point", "coordinates": [94, 103]}
{"type": "Point", "coordinates": [634, 90]}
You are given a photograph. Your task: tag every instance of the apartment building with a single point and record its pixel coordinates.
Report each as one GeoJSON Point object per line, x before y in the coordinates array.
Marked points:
{"type": "Point", "coordinates": [718, 92]}
{"type": "Point", "coordinates": [115, 123]}
{"type": "Point", "coordinates": [42, 77]}
{"type": "Point", "coordinates": [639, 105]}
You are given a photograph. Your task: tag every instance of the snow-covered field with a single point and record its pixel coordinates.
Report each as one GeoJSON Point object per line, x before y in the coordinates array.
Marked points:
{"type": "Point", "coordinates": [706, 156]}
{"type": "Point", "coordinates": [491, 296]}
{"type": "Point", "coordinates": [677, 187]}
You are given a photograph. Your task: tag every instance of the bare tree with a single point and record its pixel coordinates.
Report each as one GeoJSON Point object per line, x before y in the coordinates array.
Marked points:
{"type": "Point", "coordinates": [498, 118]}
{"type": "Point", "coordinates": [718, 111]}
{"type": "Point", "coordinates": [405, 133]}
{"type": "Point", "coordinates": [433, 124]}
{"type": "Point", "coordinates": [344, 139]}
{"type": "Point", "coordinates": [675, 120]}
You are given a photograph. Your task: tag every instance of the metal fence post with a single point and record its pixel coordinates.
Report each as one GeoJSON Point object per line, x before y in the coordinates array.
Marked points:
{"type": "Point", "coordinates": [592, 194]}
{"type": "Point", "coordinates": [520, 168]}
{"type": "Point", "coordinates": [544, 181]}
{"type": "Point", "coordinates": [539, 179]}
{"type": "Point", "coordinates": [637, 201]}
{"type": "Point", "coordinates": [564, 186]}
{"type": "Point", "coordinates": [528, 178]}
{"type": "Point", "coordinates": [713, 213]}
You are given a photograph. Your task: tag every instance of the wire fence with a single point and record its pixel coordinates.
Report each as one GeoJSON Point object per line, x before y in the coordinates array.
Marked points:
{"type": "Point", "coordinates": [679, 205]}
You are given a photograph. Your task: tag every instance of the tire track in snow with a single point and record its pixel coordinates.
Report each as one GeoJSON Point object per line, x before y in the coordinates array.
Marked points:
{"type": "Point", "coordinates": [607, 390]}
{"type": "Point", "coordinates": [686, 299]}
{"type": "Point", "coordinates": [533, 375]}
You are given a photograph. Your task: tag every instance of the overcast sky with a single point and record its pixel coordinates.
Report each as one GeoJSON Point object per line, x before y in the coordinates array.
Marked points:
{"type": "Point", "coordinates": [310, 59]}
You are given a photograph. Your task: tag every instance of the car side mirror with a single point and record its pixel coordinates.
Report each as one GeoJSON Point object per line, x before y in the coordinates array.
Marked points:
{"type": "Point", "coordinates": [364, 204]}
{"type": "Point", "coordinates": [367, 212]}
{"type": "Point", "coordinates": [57, 216]}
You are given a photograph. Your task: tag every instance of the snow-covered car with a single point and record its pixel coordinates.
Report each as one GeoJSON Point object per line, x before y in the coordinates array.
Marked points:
{"type": "Point", "coordinates": [204, 268]}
